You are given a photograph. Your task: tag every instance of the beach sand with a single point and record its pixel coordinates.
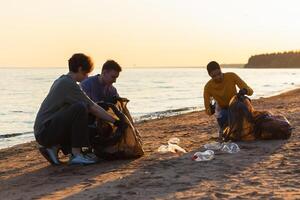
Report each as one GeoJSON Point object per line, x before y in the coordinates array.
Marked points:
{"type": "Point", "coordinates": [261, 170]}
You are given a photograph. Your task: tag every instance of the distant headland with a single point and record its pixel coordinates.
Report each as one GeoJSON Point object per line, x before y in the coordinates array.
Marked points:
{"type": "Point", "coordinates": [289, 59]}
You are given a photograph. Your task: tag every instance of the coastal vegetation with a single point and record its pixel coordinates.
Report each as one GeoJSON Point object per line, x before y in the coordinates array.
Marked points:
{"type": "Point", "coordinates": [289, 59]}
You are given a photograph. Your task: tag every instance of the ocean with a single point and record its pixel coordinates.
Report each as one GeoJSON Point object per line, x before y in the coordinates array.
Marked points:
{"type": "Point", "coordinates": [153, 93]}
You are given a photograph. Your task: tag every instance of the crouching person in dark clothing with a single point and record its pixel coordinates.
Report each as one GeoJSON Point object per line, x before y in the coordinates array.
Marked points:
{"type": "Point", "coordinates": [62, 120]}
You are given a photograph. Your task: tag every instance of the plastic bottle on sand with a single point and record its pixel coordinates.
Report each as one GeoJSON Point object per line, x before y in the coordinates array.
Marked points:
{"type": "Point", "coordinates": [163, 149]}
{"type": "Point", "coordinates": [174, 140]}
{"type": "Point", "coordinates": [203, 156]}
{"type": "Point", "coordinates": [173, 148]}
{"type": "Point", "coordinates": [230, 148]}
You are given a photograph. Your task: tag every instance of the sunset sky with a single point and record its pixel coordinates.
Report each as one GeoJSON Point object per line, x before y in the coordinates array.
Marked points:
{"type": "Point", "coordinates": [45, 33]}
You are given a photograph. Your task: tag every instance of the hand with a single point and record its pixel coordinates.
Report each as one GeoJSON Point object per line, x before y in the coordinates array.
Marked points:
{"type": "Point", "coordinates": [242, 92]}
{"type": "Point", "coordinates": [118, 123]}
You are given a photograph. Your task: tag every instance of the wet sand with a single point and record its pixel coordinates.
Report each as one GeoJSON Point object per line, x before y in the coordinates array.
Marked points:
{"type": "Point", "coordinates": [261, 170]}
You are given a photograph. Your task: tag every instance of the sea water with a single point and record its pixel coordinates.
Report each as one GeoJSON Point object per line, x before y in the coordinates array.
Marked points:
{"type": "Point", "coordinates": [153, 93]}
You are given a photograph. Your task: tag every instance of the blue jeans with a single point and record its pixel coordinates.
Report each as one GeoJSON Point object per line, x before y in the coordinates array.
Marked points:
{"type": "Point", "coordinates": [223, 119]}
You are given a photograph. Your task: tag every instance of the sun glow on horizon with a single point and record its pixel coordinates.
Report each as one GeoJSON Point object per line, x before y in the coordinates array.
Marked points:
{"type": "Point", "coordinates": [145, 32]}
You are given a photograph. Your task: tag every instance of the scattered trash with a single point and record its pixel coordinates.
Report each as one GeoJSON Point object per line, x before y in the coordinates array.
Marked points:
{"type": "Point", "coordinates": [213, 146]}
{"type": "Point", "coordinates": [230, 148]}
{"type": "Point", "coordinates": [172, 146]}
{"type": "Point", "coordinates": [207, 155]}
{"type": "Point", "coordinates": [226, 147]}
{"type": "Point", "coordinates": [203, 156]}
{"type": "Point", "coordinates": [163, 149]}
{"type": "Point", "coordinates": [176, 149]}
{"type": "Point", "coordinates": [174, 140]}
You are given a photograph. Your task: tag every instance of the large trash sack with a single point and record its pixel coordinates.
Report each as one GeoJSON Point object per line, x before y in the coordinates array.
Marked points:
{"type": "Point", "coordinates": [240, 120]}
{"type": "Point", "coordinates": [110, 142]}
{"type": "Point", "coordinates": [268, 126]}
{"type": "Point", "coordinates": [246, 124]}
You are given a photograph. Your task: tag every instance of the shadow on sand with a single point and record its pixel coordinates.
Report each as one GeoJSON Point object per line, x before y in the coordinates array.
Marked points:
{"type": "Point", "coordinates": [153, 176]}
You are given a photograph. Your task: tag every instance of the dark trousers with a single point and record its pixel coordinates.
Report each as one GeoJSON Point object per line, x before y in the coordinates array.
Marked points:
{"type": "Point", "coordinates": [69, 128]}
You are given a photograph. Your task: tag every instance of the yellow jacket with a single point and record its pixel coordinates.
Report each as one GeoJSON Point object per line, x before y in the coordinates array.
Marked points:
{"type": "Point", "coordinates": [223, 92]}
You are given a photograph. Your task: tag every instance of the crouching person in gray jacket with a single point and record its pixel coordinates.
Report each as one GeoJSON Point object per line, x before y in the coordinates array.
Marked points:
{"type": "Point", "coordinates": [62, 120]}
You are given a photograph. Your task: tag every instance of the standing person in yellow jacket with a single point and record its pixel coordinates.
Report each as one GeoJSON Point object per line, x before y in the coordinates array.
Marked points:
{"type": "Point", "coordinates": [221, 88]}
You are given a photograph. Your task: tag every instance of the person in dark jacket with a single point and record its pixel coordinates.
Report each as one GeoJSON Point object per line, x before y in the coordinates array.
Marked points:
{"type": "Point", "coordinates": [62, 120]}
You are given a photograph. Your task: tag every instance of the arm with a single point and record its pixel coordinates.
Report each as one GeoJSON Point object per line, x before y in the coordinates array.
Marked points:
{"type": "Point", "coordinates": [77, 95]}
{"type": "Point", "coordinates": [242, 85]}
{"type": "Point", "coordinates": [101, 113]}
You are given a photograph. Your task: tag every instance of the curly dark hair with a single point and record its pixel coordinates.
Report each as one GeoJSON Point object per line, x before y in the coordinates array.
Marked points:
{"type": "Point", "coordinates": [80, 60]}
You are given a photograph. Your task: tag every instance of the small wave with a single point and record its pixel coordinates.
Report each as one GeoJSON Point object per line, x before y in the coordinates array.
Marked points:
{"type": "Point", "coordinates": [166, 113]}
{"type": "Point", "coordinates": [10, 135]}
{"type": "Point", "coordinates": [21, 111]}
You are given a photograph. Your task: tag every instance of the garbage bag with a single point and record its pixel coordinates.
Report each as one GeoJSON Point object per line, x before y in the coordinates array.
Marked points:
{"type": "Point", "coordinates": [268, 126]}
{"type": "Point", "coordinates": [111, 142]}
{"type": "Point", "coordinates": [246, 124]}
{"type": "Point", "coordinates": [240, 120]}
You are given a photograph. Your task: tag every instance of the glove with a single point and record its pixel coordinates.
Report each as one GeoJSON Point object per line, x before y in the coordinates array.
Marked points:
{"type": "Point", "coordinates": [242, 92]}
{"type": "Point", "coordinates": [118, 123]}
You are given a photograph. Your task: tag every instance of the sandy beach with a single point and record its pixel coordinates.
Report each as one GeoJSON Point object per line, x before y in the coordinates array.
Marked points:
{"type": "Point", "coordinates": [261, 170]}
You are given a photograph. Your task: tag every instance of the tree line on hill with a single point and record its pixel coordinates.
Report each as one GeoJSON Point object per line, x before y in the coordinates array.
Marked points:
{"type": "Point", "coordinates": [289, 59]}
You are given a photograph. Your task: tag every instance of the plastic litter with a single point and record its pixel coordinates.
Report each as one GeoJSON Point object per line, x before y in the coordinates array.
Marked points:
{"type": "Point", "coordinates": [230, 148]}
{"type": "Point", "coordinates": [163, 149]}
{"type": "Point", "coordinates": [176, 149]}
{"type": "Point", "coordinates": [172, 146]}
{"type": "Point", "coordinates": [203, 156]}
{"type": "Point", "coordinates": [174, 140]}
{"type": "Point", "coordinates": [213, 146]}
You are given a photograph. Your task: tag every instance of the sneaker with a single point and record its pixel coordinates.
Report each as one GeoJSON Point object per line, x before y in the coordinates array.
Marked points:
{"type": "Point", "coordinates": [81, 160]}
{"type": "Point", "coordinates": [50, 154]}
{"type": "Point", "coordinates": [91, 156]}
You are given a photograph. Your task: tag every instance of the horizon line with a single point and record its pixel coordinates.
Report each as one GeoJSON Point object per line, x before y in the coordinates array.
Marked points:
{"type": "Point", "coordinates": [222, 65]}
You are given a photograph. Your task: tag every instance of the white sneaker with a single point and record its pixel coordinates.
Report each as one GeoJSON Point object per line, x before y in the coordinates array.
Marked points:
{"type": "Point", "coordinates": [50, 154]}
{"type": "Point", "coordinates": [81, 160]}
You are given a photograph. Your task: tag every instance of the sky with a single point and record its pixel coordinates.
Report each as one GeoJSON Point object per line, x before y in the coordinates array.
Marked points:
{"type": "Point", "coordinates": [145, 33]}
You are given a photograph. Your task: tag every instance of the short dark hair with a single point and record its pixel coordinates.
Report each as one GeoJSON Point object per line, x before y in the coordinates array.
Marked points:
{"type": "Point", "coordinates": [80, 60]}
{"type": "Point", "coordinates": [111, 65]}
{"type": "Point", "coordinates": [211, 66]}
